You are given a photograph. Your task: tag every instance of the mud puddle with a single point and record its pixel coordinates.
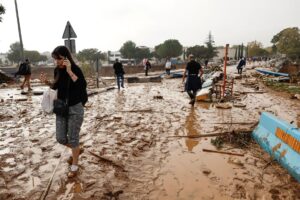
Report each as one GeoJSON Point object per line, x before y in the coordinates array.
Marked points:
{"type": "Point", "coordinates": [131, 152]}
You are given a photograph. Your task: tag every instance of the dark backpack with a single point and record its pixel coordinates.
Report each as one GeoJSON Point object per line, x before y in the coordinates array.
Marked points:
{"type": "Point", "coordinates": [23, 69]}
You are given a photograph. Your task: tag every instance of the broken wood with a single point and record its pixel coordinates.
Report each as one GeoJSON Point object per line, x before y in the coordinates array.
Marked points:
{"type": "Point", "coordinates": [222, 152]}
{"type": "Point", "coordinates": [239, 105]}
{"type": "Point", "coordinates": [91, 93]}
{"type": "Point", "coordinates": [213, 134]}
{"type": "Point", "coordinates": [223, 105]}
{"type": "Point", "coordinates": [143, 110]}
{"type": "Point", "coordinates": [241, 123]}
{"type": "Point", "coordinates": [200, 136]}
{"type": "Point", "coordinates": [268, 164]}
{"type": "Point", "coordinates": [108, 161]}
{"type": "Point", "coordinates": [257, 92]}
{"type": "Point", "coordinates": [45, 193]}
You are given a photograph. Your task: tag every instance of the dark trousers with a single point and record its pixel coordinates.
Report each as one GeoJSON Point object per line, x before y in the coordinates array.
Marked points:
{"type": "Point", "coordinates": [146, 71]}
{"type": "Point", "coordinates": [240, 69]}
{"type": "Point", "coordinates": [120, 80]}
{"type": "Point", "coordinates": [192, 94]}
{"type": "Point", "coordinates": [168, 71]}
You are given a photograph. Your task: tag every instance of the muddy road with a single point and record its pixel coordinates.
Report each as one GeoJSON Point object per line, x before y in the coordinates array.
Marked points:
{"type": "Point", "coordinates": [131, 150]}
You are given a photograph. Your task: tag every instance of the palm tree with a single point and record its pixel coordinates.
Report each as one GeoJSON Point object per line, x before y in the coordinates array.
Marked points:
{"type": "Point", "coordinates": [2, 11]}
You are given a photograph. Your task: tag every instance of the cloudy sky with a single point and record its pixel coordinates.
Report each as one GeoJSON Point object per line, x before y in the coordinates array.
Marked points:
{"type": "Point", "coordinates": [107, 24]}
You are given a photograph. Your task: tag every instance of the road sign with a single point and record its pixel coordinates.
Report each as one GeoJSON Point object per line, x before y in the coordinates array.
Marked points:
{"type": "Point", "coordinates": [69, 32]}
{"type": "Point", "coordinates": [70, 44]}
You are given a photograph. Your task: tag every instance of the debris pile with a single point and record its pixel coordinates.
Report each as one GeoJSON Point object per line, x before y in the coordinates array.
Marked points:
{"type": "Point", "coordinates": [236, 139]}
{"type": "Point", "coordinates": [4, 78]}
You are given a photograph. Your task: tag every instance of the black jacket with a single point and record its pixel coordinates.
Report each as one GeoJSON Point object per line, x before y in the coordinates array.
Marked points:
{"type": "Point", "coordinates": [118, 67]}
{"type": "Point", "coordinates": [77, 89]}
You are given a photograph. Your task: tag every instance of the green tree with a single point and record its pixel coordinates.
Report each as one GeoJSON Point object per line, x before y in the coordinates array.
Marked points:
{"type": "Point", "coordinates": [170, 48]}
{"type": "Point", "coordinates": [128, 50]}
{"type": "Point", "coordinates": [34, 56]}
{"type": "Point", "coordinates": [14, 54]}
{"type": "Point", "coordinates": [287, 42]}
{"type": "Point", "coordinates": [155, 54]}
{"type": "Point", "coordinates": [239, 52]}
{"type": "Point", "coordinates": [211, 49]}
{"type": "Point", "coordinates": [242, 50]}
{"type": "Point", "coordinates": [255, 49]}
{"type": "Point", "coordinates": [90, 55]}
{"type": "Point", "coordinates": [274, 49]}
{"type": "Point", "coordinates": [199, 52]}
{"type": "Point", "coordinates": [141, 53]}
{"type": "Point", "coordinates": [2, 11]}
{"type": "Point", "coordinates": [235, 54]}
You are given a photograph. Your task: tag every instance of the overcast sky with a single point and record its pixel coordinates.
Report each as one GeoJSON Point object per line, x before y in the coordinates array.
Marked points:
{"type": "Point", "coordinates": [107, 24]}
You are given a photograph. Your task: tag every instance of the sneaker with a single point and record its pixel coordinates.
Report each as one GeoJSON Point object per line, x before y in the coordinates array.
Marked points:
{"type": "Point", "coordinates": [29, 89]}
{"type": "Point", "coordinates": [73, 170]}
{"type": "Point", "coordinates": [72, 174]}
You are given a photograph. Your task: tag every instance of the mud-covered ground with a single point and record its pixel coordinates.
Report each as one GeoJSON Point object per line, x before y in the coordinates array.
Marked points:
{"type": "Point", "coordinates": [130, 151]}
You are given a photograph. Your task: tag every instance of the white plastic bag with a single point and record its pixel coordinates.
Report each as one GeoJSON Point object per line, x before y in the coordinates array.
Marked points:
{"type": "Point", "coordinates": [47, 101]}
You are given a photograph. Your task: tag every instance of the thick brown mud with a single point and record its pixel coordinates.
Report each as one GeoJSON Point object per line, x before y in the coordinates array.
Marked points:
{"type": "Point", "coordinates": [130, 151]}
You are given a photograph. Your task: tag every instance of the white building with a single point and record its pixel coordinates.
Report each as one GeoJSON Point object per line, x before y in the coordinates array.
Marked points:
{"type": "Point", "coordinates": [113, 55]}
{"type": "Point", "coordinates": [4, 61]}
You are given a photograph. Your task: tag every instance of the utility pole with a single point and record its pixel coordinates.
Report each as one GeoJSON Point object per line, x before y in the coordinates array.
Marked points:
{"type": "Point", "coordinates": [97, 67]}
{"type": "Point", "coordinates": [225, 65]}
{"type": "Point", "coordinates": [20, 34]}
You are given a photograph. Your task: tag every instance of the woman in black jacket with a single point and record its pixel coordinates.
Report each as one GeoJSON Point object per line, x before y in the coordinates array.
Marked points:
{"type": "Point", "coordinates": [71, 85]}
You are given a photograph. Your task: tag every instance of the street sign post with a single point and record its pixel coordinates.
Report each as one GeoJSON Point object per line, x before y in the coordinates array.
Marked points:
{"type": "Point", "coordinates": [71, 45]}
{"type": "Point", "coordinates": [68, 34]}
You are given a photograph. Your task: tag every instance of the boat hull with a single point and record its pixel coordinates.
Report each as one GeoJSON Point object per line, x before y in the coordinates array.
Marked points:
{"type": "Point", "coordinates": [267, 72]}
{"type": "Point", "coordinates": [281, 140]}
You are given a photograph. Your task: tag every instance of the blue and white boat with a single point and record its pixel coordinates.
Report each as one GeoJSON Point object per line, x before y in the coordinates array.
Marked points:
{"type": "Point", "coordinates": [281, 140]}
{"type": "Point", "coordinates": [267, 72]}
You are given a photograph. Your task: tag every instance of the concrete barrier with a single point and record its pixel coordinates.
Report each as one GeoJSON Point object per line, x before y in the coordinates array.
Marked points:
{"type": "Point", "coordinates": [281, 140]}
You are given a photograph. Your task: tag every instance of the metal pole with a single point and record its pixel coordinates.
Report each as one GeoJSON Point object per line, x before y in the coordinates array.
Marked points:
{"type": "Point", "coordinates": [20, 34]}
{"type": "Point", "coordinates": [225, 64]}
{"type": "Point", "coordinates": [97, 66]}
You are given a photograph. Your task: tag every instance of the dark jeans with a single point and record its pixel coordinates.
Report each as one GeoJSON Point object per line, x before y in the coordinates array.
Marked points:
{"type": "Point", "coordinates": [168, 71]}
{"type": "Point", "coordinates": [192, 94]}
{"type": "Point", "coordinates": [240, 69]}
{"type": "Point", "coordinates": [120, 80]}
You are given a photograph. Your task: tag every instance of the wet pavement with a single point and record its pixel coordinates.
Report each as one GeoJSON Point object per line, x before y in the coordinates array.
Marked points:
{"type": "Point", "coordinates": [130, 148]}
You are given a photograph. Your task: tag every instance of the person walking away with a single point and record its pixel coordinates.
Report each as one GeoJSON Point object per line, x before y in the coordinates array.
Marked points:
{"type": "Point", "coordinates": [144, 65]}
{"type": "Point", "coordinates": [240, 66]}
{"type": "Point", "coordinates": [25, 69]}
{"type": "Point", "coordinates": [71, 85]}
{"type": "Point", "coordinates": [148, 67]}
{"type": "Point", "coordinates": [168, 66]}
{"type": "Point", "coordinates": [193, 83]}
{"type": "Point", "coordinates": [119, 72]}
